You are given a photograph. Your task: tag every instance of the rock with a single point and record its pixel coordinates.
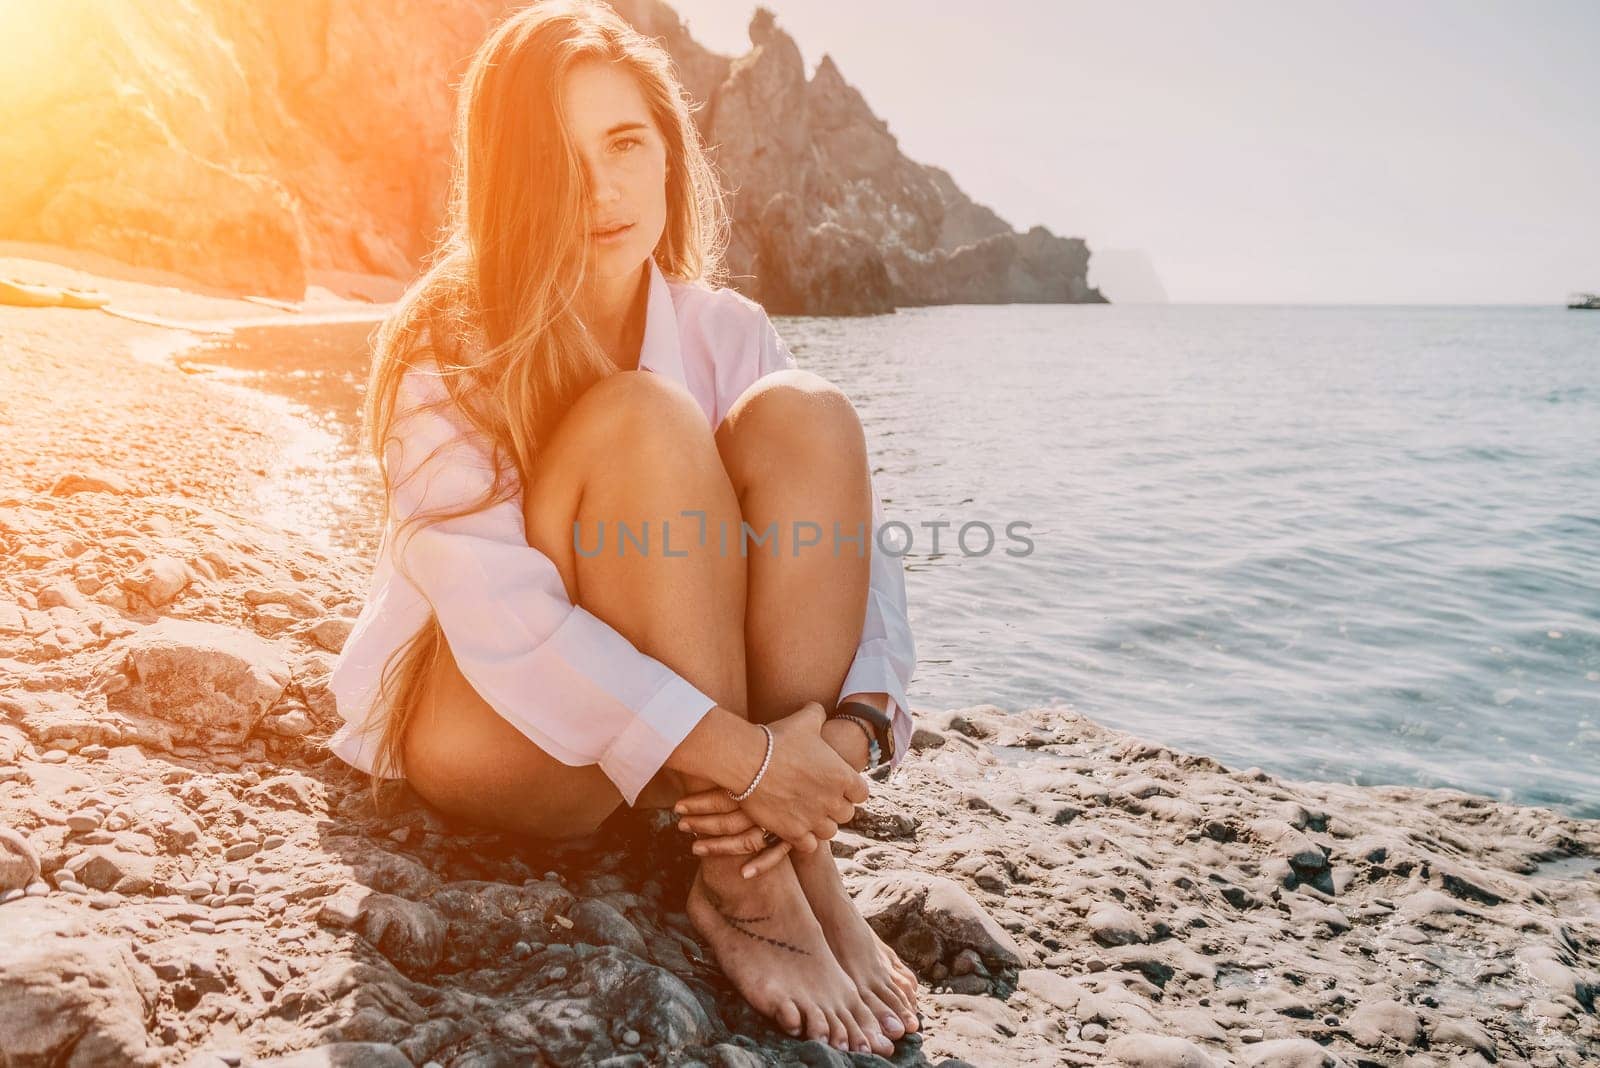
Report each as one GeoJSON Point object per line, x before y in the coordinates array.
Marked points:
{"type": "Point", "coordinates": [1374, 1021]}
{"type": "Point", "coordinates": [219, 681]}
{"type": "Point", "coordinates": [929, 919]}
{"type": "Point", "coordinates": [409, 933]}
{"type": "Point", "coordinates": [1468, 1034]}
{"type": "Point", "coordinates": [85, 821]}
{"type": "Point", "coordinates": [383, 870]}
{"type": "Point", "coordinates": [1113, 925]}
{"type": "Point", "coordinates": [296, 601]}
{"type": "Point", "coordinates": [653, 1000]}
{"type": "Point", "coordinates": [92, 482]}
{"type": "Point", "coordinates": [108, 868]}
{"type": "Point", "coordinates": [599, 923]}
{"type": "Point", "coordinates": [1289, 1053]}
{"type": "Point", "coordinates": [293, 723]}
{"type": "Point", "coordinates": [274, 619]}
{"type": "Point", "coordinates": [1157, 1051]}
{"type": "Point", "coordinates": [967, 962]}
{"type": "Point", "coordinates": [331, 632]}
{"type": "Point", "coordinates": [1293, 844]}
{"type": "Point", "coordinates": [342, 1055]}
{"type": "Point", "coordinates": [157, 580]}
{"type": "Point", "coordinates": [71, 997]}
{"type": "Point", "coordinates": [343, 909]}
{"type": "Point", "coordinates": [19, 864]}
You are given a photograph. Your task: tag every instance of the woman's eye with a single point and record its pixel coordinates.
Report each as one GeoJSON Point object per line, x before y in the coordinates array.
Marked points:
{"type": "Point", "coordinates": [626, 143]}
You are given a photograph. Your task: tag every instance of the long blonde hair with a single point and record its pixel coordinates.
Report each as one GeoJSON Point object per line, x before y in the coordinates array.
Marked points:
{"type": "Point", "coordinates": [495, 310]}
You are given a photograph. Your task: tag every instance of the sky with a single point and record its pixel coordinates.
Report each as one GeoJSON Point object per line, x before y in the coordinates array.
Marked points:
{"type": "Point", "coordinates": [1280, 152]}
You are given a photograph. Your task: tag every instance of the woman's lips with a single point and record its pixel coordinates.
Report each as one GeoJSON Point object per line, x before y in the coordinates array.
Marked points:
{"type": "Point", "coordinates": [606, 238]}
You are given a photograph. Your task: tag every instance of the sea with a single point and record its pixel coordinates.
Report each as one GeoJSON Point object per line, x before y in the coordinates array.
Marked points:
{"type": "Point", "coordinates": [1358, 544]}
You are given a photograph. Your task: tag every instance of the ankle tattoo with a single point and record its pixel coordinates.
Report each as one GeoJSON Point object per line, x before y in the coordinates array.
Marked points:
{"type": "Point", "coordinates": [740, 924]}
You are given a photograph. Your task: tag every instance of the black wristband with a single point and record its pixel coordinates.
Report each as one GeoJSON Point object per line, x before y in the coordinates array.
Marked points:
{"type": "Point", "coordinates": [878, 719]}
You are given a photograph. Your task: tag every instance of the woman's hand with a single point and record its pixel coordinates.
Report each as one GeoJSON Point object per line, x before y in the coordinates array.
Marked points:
{"type": "Point", "coordinates": [808, 789]}
{"type": "Point", "coordinates": [723, 828]}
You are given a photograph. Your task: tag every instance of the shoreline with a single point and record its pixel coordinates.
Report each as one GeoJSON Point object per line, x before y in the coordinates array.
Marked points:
{"type": "Point", "coordinates": [1075, 894]}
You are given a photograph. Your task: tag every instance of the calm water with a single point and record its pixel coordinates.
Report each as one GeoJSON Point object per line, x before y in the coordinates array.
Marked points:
{"type": "Point", "coordinates": [1359, 544]}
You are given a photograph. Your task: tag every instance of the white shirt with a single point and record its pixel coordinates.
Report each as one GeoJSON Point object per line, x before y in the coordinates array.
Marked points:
{"type": "Point", "coordinates": [562, 676]}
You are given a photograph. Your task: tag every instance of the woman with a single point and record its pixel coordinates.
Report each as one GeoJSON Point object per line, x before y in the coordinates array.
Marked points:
{"type": "Point", "coordinates": [563, 385]}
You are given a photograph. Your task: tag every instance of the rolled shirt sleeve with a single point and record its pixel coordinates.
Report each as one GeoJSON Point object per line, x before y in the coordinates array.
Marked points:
{"type": "Point", "coordinates": [886, 658]}
{"type": "Point", "coordinates": [569, 681]}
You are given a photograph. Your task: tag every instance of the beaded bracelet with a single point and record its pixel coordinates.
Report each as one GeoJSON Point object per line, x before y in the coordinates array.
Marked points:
{"type": "Point", "coordinates": [878, 718]}
{"type": "Point", "coordinates": [766, 760]}
{"type": "Point", "coordinates": [874, 750]}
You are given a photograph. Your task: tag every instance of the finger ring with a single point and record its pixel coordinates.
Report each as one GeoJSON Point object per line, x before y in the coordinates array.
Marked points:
{"type": "Point", "coordinates": [768, 837]}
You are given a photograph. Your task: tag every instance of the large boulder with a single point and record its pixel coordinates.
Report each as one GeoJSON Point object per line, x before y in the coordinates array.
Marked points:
{"type": "Point", "coordinates": [70, 997]}
{"type": "Point", "coordinates": [19, 862]}
{"type": "Point", "coordinates": [929, 919]}
{"type": "Point", "coordinates": [211, 682]}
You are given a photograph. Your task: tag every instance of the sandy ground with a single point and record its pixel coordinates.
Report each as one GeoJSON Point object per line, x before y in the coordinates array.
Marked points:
{"type": "Point", "coordinates": [185, 877]}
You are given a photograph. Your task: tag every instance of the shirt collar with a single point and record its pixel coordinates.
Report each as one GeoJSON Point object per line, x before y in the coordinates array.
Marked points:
{"type": "Point", "coordinates": [661, 351]}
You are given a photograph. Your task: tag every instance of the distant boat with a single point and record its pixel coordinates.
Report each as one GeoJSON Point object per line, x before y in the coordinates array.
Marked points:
{"type": "Point", "coordinates": [1585, 302]}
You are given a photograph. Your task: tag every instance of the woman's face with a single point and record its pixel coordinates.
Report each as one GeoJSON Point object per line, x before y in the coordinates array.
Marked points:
{"type": "Point", "coordinates": [625, 159]}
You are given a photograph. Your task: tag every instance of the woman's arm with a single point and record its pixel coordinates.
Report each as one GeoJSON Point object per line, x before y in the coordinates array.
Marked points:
{"type": "Point", "coordinates": [886, 657]}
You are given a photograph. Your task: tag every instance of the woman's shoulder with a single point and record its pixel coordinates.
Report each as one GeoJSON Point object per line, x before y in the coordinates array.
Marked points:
{"type": "Point", "coordinates": [719, 309]}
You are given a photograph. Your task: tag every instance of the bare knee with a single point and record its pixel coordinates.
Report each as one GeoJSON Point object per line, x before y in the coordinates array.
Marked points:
{"type": "Point", "coordinates": [792, 416]}
{"type": "Point", "coordinates": [641, 413]}
{"type": "Point", "coordinates": [630, 425]}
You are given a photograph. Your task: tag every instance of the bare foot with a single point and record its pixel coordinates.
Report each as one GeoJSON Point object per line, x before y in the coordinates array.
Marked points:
{"type": "Point", "coordinates": [881, 977]}
{"type": "Point", "coordinates": [771, 947]}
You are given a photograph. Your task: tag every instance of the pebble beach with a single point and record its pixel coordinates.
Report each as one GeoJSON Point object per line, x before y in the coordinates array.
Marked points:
{"type": "Point", "coordinates": [188, 878]}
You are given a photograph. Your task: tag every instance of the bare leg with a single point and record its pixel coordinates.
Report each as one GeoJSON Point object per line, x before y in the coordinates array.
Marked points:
{"type": "Point", "coordinates": [626, 451]}
{"type": "Point", "coordinates": [794, 448]}
{"type": "Point", "coordinates": [637, 448]}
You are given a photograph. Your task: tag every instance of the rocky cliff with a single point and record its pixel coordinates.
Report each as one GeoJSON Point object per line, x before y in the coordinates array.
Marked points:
{"type": "Point", "coordinates": [246, 146]}
{"type": "Point", "coordinates": [257, 147]}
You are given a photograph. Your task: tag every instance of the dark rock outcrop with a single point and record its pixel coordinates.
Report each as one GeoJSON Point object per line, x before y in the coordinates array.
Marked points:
{"type": "Point", "coordinates": [829, 215]}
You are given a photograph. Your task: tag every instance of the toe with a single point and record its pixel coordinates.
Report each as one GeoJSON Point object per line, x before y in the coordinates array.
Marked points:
{"type": "Point", "coordinates": [906, 980]}
{"type": "Point", "coordinates": [875, 1041]}
{"type": "Point", "coordinates": [887, 988]}
{"type": "Point", "coordinates": [882, 1010]}
{"type": "Point", "coordinates": [838, 1031]}
{"type": "Point", "coordinates": [788, 1016]}
{"type": "Point", "coordinates": [856, 1040]}
{"type": "Point", "coordinates": [817, 1025]}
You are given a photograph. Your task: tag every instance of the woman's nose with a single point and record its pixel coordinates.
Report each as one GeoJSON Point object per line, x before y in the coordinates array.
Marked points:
{"type": "Point", "coordinates": [605, 191]}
